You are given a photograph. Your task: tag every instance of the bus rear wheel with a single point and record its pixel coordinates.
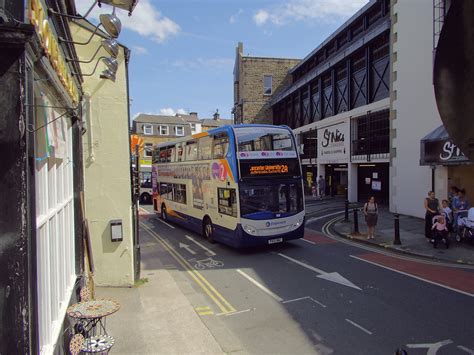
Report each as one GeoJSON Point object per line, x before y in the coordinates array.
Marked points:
{"type": "Point", "coordinates": [208, 230]}
{"type": "Point", "coordinates": [164, 216]}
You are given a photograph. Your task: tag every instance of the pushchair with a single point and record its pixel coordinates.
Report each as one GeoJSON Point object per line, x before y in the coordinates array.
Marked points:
{"type": "Point", "coordinates": [439, 236]}
{"type": "Point", "coordinates": [466, 227]}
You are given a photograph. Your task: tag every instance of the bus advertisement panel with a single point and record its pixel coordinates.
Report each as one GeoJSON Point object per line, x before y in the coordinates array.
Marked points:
{"type": "Point", "coordinates": [239, 185]}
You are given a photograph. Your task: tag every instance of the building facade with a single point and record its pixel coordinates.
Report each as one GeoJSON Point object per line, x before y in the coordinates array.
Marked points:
{"type": "Point", "coordinates": [338, 105]}
{"type": "Point", "coordinates": [256, 81]}
{"type": "Point", "coordinates": [214, 122]}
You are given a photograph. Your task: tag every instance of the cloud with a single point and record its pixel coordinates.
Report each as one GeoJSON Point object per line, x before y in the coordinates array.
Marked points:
{"type": "Point", "coordinates": [146, 20]}
{"type": "Point", "coordinates": [201, 63]}
{"type": "Point", "coordinates": [168, 111]}
{"type": "Point", "coordinates": [140, 50]}
{"type": "Point", "coordinates": [234, 17]}
{"type": "Point", "coordinates": [308, 10]}
{"type": "Point", "coordinates": [261, 17]}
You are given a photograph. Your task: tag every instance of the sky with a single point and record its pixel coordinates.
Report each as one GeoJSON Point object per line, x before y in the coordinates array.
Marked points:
{"type": "Point", "coordinates": [183, 51]}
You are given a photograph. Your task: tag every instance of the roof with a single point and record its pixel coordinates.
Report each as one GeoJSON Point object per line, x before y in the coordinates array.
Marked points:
{"type": "Point", "coordinates": [336, 33]}
{"type": "Point", "coordinates": [188, 118]}
{"type": "Point", "coordinates": [144, 118]}
{"type": "Point", "coordinates": [437, 134]}
{"type": "Point", "coordinates": [210, 122]}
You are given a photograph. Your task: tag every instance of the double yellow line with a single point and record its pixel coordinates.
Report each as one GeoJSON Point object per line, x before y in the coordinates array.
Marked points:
{"type": "Point", "coordinates": [215, 296]}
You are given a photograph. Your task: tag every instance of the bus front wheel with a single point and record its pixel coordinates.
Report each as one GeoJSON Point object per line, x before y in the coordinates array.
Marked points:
{"type": "Point", "coordinates": [208, 230]}
{"type": "Point", "coordinates": [164, 216]}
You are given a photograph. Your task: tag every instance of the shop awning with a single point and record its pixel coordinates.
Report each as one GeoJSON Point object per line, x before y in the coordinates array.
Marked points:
{"type": "Point", "coordinates": [437, 148]}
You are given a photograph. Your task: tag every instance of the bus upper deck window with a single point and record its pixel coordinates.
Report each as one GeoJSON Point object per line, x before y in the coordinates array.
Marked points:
{"type": "Point", "coordinates": [221, 146]}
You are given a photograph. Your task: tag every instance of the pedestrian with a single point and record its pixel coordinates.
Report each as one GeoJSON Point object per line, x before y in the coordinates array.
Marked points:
{"type": "Point", "coordinates": [314, 190]}
{"type": "Point", "coordinates": [460, 206]}
{"type": "Point", "coordinates": [371, 214]}
{"type": "Point", "coordinates": [432, 209]}
{"type": "Point", "coordinates": [453, 195]}
{"type": "Point", "coordinates": [321, 187]}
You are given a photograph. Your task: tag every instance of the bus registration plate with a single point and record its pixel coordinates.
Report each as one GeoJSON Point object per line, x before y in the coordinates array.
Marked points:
{"type": "Point", "coordinates": [276, 240]}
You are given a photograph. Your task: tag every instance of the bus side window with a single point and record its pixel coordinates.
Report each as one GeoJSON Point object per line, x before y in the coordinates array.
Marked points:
{"type": "Point", "coordinates": [205, 148]}
{"type": "Point", "coordinates": [179, 152]}
{"type": "Point", "coordinates": [163, 151]}
{"type": "Point", "coordinates": [227, 202]}
{"type": "Point", "coordinates": [221, 146]}
{"type": "Point", "coordinates": [191, 151]}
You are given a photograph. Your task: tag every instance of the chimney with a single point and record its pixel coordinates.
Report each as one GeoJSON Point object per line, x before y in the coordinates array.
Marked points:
{"type": "Point", "coordinates": [194, 114]}
{"type": "Point", "coordinates": [216, 115]}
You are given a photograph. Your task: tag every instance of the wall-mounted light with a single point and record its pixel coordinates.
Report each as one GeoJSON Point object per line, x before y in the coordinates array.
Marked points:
{"type": "Point", "coordinates": [107, 74]}
{"type": "Point", "coordinates": [110, 45]}
{"type": "Point", "coordinates": [111, 64]}
{"type": "Point", "coordinates": [127, 5]}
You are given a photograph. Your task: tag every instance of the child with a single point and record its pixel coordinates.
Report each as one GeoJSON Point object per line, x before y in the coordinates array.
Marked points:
{"type": "Point", "coordinates": [440, 231]}
{"type": "Point", "coordinates": [447, 212]}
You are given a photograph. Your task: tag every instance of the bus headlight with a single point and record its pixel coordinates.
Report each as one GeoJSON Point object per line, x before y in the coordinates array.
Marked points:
{"type": "Point", "coordinates": [250, 230]}
{"type": "Point", "coordinates": [299, 222]}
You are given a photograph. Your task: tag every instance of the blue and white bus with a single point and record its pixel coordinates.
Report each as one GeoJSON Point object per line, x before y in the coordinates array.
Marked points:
{"type": "Point", "coordinates": [239, 185]}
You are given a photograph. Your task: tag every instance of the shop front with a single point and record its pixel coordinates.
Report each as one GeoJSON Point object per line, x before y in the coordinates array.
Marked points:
{"type": "Point", "coordinates": [449, 166]}
{"type": "Point", "coordinates": [373, 181]}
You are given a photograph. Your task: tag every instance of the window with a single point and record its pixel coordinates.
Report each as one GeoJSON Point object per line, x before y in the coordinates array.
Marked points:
{"type": "Point", "coordinates": [179, 152]}
{"type": "Point", "coordinates": [173, 192]}
{"type": "Point", "coordinates": [221, 145]}
{"type": "Point", "coordinates": [191, 151]}
{"type": "Point", "coordinates": [227, 202]}
{"type": "Point", "coordinates": [193, 128]}
{"type": "Point", "coordinates": [163, 130]}
{"type": "Point", "coordinates": [148, 149]}
{"type": "Point", "coordinates": [264, 139]}
{"type": "Point", "coordinates": [179, 130]}
{"type": "Point", "coordinates": [147, 129]}
{"type": "Point", "coordinates": [267, 84]}
{"type": "Point", "coordinates": [205, 148]}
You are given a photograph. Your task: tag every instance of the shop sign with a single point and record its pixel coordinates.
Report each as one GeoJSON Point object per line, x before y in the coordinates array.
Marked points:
{"type": "Point", "coordinates": [333, 143]}
{"type": "Point", "coordinates": [39, 18]}
{"type": "Point", "coordinates": [442, 152]}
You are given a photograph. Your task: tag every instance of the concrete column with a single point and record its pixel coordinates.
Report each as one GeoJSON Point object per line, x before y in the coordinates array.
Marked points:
{"type": "Point", "coordinates": [441, 182]}
{"type": "Point", "coordinates": [352, 183]}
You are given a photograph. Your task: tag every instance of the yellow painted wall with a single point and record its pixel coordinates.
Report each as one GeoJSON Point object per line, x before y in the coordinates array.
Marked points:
{"type": "Point", "coordinates": [107, 184]}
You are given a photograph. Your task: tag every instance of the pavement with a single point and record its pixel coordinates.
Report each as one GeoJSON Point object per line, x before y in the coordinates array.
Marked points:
{"type": "Point", "coordinates": [156, 317]}
{"type": "Point", "coordinates": [412, 237]}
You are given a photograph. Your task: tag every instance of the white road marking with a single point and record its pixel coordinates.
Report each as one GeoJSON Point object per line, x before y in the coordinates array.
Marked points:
{"type": "Point", "coordinates": [359, 326]}
{"type": "Point", "coordinates": [308, 241]}
{"type": "Point", "coordinates": [329, 276]}
{"type": "Point", "coordinates": [209, 251]}
{"type": "Point", "coordinates": [169, 225]}
{"type": "Point", "coordinates": [305, 298]}
{"type": "Point", "coordinates": [322, 217]}
{"type": "Point", "coordinates": [413, 276]}
{"type": "Point", "coordinates": [144, 211]}
{"type": "Point", "coordinates": [234, 313]}
{"type": "Point", "coordinates": [469, 351]}
{"type": "Point", "coordinates": [185, 246]}
{"type": "Point", "coordinates": [260, 286]}
{"type": "Point", "coordinates": [432, 348]}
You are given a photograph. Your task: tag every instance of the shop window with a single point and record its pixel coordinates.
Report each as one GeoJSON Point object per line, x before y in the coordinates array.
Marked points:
{"type": "Point", "coordinates": [227, 202]}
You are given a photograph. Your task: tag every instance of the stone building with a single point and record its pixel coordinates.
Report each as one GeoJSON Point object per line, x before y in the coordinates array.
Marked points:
{"type": "Point", "coordinates": [256, 81]}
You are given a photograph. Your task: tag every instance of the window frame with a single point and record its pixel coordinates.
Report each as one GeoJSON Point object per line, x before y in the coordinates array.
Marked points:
{"type": "Point", "coordinates": [231, 202]}
{"type": "Point", "coordinates": [148, 153]}
{"type": "Point", "coordinates": [176, 131]}
{"type": "Point", "coordinates": [166, 128]}
{"type": "Point", "coordinates": [265, 87]}
{"type": "Point", "coordinates": [145, 127]}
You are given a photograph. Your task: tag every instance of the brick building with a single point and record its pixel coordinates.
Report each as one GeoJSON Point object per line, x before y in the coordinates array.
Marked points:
{"type": "Point", "coordinates": [256, 81]}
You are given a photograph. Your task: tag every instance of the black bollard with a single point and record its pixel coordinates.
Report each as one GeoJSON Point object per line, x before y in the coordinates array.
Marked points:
{"type": "Point", "coordinates": [356, 222]}
{"type": "Point", "coordinates": [346, 211]}
{"type": "Point", "coordinates": [396, 222]}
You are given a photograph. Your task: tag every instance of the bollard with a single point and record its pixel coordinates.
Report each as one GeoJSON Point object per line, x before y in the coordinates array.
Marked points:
{"type": "Point", "coordinates": [396, 222]}
{"type": "Point", "coordinates": [356, 222]}
{"type": "Point", "coordinates": [346, 211]}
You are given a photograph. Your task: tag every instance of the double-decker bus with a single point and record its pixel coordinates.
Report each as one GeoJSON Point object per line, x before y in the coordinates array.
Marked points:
{"type": "Point", "coordinates": [239, 185]}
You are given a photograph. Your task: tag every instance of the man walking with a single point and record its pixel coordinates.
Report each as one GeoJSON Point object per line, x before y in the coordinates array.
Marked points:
{"type": "Point", "coordinates": [321, 187]}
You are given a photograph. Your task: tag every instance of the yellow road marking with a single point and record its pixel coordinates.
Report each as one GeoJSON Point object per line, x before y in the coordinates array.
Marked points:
{"type": "Point", "coordinates": [207, 313]}
{"type": "Point", "coordinates": [202, 308]}
{"type": "Point", "coordinates": [218, 299]}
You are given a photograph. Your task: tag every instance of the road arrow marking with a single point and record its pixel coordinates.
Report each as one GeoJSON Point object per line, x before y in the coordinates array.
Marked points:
{"type": "Point", "coordinates": [432, 348]}
{"type": "Point", "coordinates": [209, 251]}
{"type": "Point", "coordinates": [260, 286]}
{"type": "Point", "coordinates": [329, 276]}
{"type": "Point", "coordinates": [463, 348]}
{"type": "Point", "coordinates": [185, 246]}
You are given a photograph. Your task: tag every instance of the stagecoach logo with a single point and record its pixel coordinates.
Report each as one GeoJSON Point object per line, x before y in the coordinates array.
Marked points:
{"type": "Point", "coordinates": [268, 224]}
{"type": "Point", "coordinates": [275, 223]}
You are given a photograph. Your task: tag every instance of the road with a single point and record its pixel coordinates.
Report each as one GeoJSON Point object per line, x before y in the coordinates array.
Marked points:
{"type": "Point", "coordinates": [320, 295]}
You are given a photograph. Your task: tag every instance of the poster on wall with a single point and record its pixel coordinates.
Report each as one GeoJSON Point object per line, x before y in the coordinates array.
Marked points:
{"type": "Point", "coordinates": [375, 175]}
{"type": "Point", "coordinates": [367, 181]}
{"type": "Point", "coordinates": [376, 185]}
{"type": "Point", "coordinates": [333, 143]}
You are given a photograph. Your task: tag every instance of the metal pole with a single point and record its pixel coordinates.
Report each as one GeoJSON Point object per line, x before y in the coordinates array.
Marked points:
{"type": "Point", "coordinates": [356, 222]}
{"type": "Point", "coordinates": [396, 221]}
{"type": "Point", "coordinates": [346, 211]}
